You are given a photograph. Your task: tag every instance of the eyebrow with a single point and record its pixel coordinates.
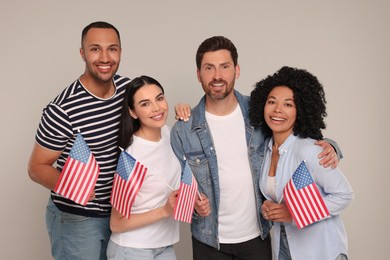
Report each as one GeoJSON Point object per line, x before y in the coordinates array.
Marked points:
{"type": "Point", "coordinates": [98, 45]}
{"type": "Point", "coordinates": [213, 65]}
{"type": "Point", "coordinates": [287, 99]}
{"type": "Point", "coordinates": [144, 100]}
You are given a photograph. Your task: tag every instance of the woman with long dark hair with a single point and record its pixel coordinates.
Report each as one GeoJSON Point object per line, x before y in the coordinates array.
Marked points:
{"type": "Point", "coordinates": [150, 231]}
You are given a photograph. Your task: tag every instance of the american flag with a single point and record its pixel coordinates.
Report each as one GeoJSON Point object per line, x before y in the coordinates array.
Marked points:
{"type": "Point", "coordinates": [79, 174]}
{"type": "Point", "coordinates": [128, 180]}
{"type": "Point", "coordinates": [187, 194]}
{"type": "Point", "coordinates": [303, 198]}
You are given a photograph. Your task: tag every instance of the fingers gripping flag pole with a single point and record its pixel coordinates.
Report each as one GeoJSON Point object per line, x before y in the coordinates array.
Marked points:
{"type": "Point", "coordinates": [303, 198]}
{"type": "Point", "coordinates": [128, 180]}
{"type": "Point", "coordinates": [79, 174]}
{"type": "Point", "coordinates": [186, 198]}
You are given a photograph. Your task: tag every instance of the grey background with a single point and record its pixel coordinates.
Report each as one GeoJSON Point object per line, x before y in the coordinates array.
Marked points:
{"type": "Point", "coordinates": [345, 43]}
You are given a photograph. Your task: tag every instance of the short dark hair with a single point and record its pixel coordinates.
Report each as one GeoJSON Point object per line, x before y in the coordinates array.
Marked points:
{"type": "Point", "coordinates": [99, 25]}
{"type": "Point", "coordinates": [309, 99]}
{"type": "Point", "coordinates": [216, 43]}
{"type": "Point", "coordinates": [128, 125]}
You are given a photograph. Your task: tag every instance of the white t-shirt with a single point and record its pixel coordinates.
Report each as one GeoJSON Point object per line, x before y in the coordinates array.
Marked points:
{"type": "Point", "coordinates": [163, 168]}
{"type": "Point", "coordinates": [237, 220]}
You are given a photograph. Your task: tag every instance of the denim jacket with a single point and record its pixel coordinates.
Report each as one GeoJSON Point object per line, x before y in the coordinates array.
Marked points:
{"type": "Point", "coordinates": [192, 141]}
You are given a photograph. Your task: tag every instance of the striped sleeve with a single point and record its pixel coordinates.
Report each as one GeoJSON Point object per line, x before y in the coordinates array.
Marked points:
{"type": "Point", "coordinates": [54, 129]}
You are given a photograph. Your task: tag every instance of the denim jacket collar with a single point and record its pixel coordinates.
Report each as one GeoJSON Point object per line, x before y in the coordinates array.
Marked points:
{"type": "Point", "coordinates": [199, 112]}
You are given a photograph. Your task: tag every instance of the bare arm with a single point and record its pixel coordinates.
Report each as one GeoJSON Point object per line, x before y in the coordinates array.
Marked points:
{"type": "Point", "coordinates": [40, 167]}
{"type": "Point", "coordinates": [119, 223]}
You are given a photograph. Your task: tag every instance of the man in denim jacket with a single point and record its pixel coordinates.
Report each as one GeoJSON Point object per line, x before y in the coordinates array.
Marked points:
{"type": "Point", "coordinates": [223, 151]}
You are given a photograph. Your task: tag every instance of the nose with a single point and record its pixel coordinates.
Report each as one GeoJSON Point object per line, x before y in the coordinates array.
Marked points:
{"type": "Point", "coordinates": [277, 108]}
{"type": "Point", "coordinates": [104, 56]}
{"type": "Point", "coordinates": [217, 74]}
{"type": "Point", "coordinates": [156, 107]}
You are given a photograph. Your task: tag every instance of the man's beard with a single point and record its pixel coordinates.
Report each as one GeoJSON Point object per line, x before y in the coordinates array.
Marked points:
{"type": "Point", "coordinates": [219, 95]}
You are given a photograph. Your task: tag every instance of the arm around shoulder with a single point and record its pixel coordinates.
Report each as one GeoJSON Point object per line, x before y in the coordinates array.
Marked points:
{"type": "Point", "coordinates": [331, 154]}
{"type": "Point", "coordinates": [335, 147]}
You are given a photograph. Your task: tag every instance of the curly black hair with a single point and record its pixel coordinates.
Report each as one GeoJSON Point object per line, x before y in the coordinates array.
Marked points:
{"type": "Point", "coordinates": [309, 99]}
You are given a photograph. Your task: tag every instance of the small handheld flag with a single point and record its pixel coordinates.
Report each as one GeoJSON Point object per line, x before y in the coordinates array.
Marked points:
{"type": "Point", "coordinates": [128, 180]}
{"type": "Point", "coordinates": [186, 198]}
{"type": "Point", "coordinates": [303, 198]}
{"type": "Point", "coordinates": [79, 174]}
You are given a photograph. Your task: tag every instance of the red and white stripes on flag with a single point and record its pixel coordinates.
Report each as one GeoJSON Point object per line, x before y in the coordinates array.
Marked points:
{"type": "Point", "coordinates": [128, 180]}
{"type": "Point", "coordinates": [303, 198]}
{"type": "Point", "coordinates": [186, 198]}
{"type": "Point", "coordinates": [79, 174]}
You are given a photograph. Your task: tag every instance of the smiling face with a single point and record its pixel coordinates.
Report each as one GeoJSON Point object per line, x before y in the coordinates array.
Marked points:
{"type": "Point", "coordinates": [217, 74]}
{"type": "Point", "coordinates": [101, 52]}
{"type": "Point", "coordinates": [150, 108]}
{"type": "Point", "coordinates": [280, 112]}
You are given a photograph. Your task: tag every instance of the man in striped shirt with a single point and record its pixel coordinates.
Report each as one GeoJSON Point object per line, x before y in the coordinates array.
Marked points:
{"type": "Point", "coordinates": [91, 105]}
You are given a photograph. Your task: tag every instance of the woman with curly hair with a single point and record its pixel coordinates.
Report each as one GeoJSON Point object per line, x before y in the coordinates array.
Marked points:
{"type": "Point", "coordinates": [289, 106]}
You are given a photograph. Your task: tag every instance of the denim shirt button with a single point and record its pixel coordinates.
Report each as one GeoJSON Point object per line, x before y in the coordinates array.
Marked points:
{"type": "Point", "coordinates": [197, 161]}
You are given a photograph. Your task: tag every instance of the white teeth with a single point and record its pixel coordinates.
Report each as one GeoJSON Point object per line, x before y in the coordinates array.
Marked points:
{"type": "Point", "coordinates": [277, 119]}
{"type": "Point", "coordinates": [218, 85]}
{"type": "Point", "coordinates": [104, 67]}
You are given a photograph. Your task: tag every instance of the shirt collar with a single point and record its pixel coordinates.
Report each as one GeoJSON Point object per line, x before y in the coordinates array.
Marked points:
{"type": "Point", "coordinates": [285, 146]}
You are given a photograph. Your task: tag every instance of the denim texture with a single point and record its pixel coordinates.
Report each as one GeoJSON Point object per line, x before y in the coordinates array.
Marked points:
{"type": "Point", "coordinates": [117, 252]}
{"type": "Point", "coordinates": [192, 140]}
{"type": "Point", "coordinates": [76, 237]}
{"type": "Point", "coordinates": [284, 251]}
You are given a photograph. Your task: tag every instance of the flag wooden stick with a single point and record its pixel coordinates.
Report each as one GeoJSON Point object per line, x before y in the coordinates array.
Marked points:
{"type": "Point", "coordinates": [281, 199]}
{"type": "Point", "coordinates": [200, 196]}
{"type": "Point", "coordinates": [156, 176]}
{"type": "Point", "coordinates": [163, 181]}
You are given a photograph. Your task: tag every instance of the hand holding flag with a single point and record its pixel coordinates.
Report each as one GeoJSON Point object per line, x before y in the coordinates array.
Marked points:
{"type": "Point", "coordinates": [128, 180]}
{"type": "Point", "coordinates": [79, 174]}
{"type": "Point", "coordinates": [187, 195]}
{"type": "Point", "coordinates": [303, 198]}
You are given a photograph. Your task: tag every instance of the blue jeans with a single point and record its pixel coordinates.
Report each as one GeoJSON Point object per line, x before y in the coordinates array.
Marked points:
{"type": "Point", "coordinates": [76, 237]}
{"type": "Point", "coordinates": [117, 252]}
{"type": "Point", "coordinates": [284, 250]}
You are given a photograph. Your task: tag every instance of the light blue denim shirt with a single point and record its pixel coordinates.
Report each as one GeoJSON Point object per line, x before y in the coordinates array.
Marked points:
{"type": "Point", "coordinates": [324, 239]}
{"type": "Point", "coordinates": [192, 140]}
